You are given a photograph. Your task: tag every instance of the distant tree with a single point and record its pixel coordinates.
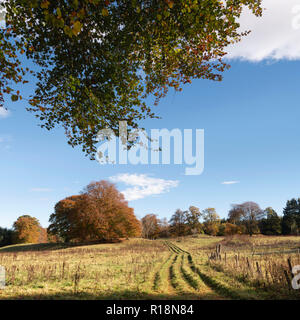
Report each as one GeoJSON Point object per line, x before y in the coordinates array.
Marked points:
{"type": "Point", "coordinates": [150, 226]}
{"type": "Point", "coordinates": [99, 213]}
{"type": "Point", "coordinates": [178, 222]}
{"type": "Point", "coordinates": [193, 216]}
{"type": "Point", "coordinates": [211, 228]}
{"type": "Point", "coordinates": [291, 217]}
{"type": "Point", "coordinates": [235, 214]}
{"type": "Point", "coordinates": [6, 237]}
{"type": "Point", "coordinates": [211, 221]}
{"type": "Point", "coordinates": [26, 229]}
{"type": "Point", "coordinates": [210, 215]}
{"type": "Point", "coordinates": [232, 229]}
{"type": "Point", "coordinates": [164, 228]}
{"type": "Point", "coordinates": [221, 229]}
{"type": "Point", "coordinates": [271, 225]}
{"type": "Point", "coordinates": [249, 214]}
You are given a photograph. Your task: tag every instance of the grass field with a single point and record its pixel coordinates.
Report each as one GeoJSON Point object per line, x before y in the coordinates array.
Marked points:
{"type": "Point", "coordinates": [255, 267]}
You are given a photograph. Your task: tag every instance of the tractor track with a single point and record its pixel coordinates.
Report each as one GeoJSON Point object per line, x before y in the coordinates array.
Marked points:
{"type": "Point", "coordinates": [183, 279]}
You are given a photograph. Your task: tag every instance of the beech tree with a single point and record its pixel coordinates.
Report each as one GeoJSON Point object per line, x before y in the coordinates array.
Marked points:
{"type": "Point", "coordinates": [26, 230]}
{"type": "Point", "coordinates": [97, 62]}
{"type": "Point", "coordinates": [99, 213]}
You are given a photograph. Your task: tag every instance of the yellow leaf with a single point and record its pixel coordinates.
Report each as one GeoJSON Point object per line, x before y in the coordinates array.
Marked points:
{"type": "Point", "coordinates": [58, 13]}
{"type": "Point", "coordinates": [45, 4]}
{"type": "Point", "coordinates": [104, 12]}
{"type": "Point", "coordinates": [77, 27]}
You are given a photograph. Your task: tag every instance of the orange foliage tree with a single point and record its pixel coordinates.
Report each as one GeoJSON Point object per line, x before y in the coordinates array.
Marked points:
{"type": "Point", "coordinates": [27, 229]}
{"type": "Point", "coordinates": [100, 212]}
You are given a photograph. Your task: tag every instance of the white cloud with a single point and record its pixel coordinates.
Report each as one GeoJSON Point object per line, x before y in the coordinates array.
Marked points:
{"type": "Point", "coordinates": [4, 113]}
{"type": "Point", "coordinates": [230, 182]}
{"type": "Point", "coordinates": [142, 185]}
{"type": "Point", "coordinates": [275, 35]}
{"type": "Point", "coordinates": [40, 190]}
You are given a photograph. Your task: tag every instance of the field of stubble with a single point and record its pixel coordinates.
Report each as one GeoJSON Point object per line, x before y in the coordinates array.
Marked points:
{"type": "Point", "coordinates": [201, 267]}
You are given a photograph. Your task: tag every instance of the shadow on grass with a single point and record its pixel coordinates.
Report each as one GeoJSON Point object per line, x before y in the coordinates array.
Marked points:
{"type": "Point", "coordinates": [124, 295]}
{"type": "Point", "coordinates": [52, 246]}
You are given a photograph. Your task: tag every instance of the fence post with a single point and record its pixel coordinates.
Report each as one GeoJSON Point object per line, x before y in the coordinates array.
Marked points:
{"type": "Point", "coordinates": [290, 265]}
{"type": "Point", "coordinates": [288, 280]}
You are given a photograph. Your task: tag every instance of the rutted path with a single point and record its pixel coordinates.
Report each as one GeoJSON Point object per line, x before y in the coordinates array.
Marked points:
{"type": "Point", "coordinates": [179, 275]}
{"type": "Point", "coordinates": [176, 278]}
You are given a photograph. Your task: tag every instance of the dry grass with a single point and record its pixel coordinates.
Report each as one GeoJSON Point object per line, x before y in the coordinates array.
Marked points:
{"type": "Point", "coordinates": [97, 271]}
{"type": "Point", "coordinates": [143, 269]}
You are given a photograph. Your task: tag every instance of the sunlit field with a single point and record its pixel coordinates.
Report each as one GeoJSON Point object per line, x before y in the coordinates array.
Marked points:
{"type": "Point", "coordinates": [200, 267]}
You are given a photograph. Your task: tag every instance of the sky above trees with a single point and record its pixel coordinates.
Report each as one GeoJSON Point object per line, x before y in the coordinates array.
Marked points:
{"type": "Point", "coordinates": [251, 138]}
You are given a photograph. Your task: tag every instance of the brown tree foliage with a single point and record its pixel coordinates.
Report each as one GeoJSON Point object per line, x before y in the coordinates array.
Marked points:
{"type": "Point", "coordinates": [43, 235]}
{"type": "Point", "coordinates": [232, 229]}
{"type": "Point", "coordinates": [27, 229]}
{"type": "Point", "coordinates": [100, 212]}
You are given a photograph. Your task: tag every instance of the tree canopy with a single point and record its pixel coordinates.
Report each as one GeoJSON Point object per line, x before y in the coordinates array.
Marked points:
{"type": "Point", "coordinates": [248, 213]}
{"type": "Point", "coordinates": [98, 61]}
{"type": "Point", "coordinates": [99, 213]}
{"type": "Point", "coordinates": [6, 237]}
{"type": "Point", "coordinates": [271, 225]}
{"type": "Point", "coordinates": [291, 217]}
{"type": "Point", "coordinates": [27, 229]}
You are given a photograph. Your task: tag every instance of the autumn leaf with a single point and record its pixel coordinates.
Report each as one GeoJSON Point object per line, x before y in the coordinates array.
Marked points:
{"type": "Point", "coordinates": [105, 12]}
{"type": "Point", "coordinates": [77, 26]}
{"type": "Point", "coordinates": [171, 4]}
{"type": "Point", "coordinates": [14, 97]}
{"type": "Point", "coordinates": [45, 4]}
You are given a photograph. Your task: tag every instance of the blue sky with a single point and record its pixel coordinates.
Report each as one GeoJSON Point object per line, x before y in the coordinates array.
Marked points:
{"type": "Point", "coordinates": [251, 123]}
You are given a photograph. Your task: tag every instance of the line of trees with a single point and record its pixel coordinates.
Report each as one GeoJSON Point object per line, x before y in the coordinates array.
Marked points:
{"type": "Point", "coordinates": [100, 212]}
{"type": "Point", "coordinates": [245, 218]}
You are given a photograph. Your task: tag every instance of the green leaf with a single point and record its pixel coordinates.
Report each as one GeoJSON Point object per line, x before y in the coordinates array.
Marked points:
{"type": "Point", "coordinates": [58, 13]}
